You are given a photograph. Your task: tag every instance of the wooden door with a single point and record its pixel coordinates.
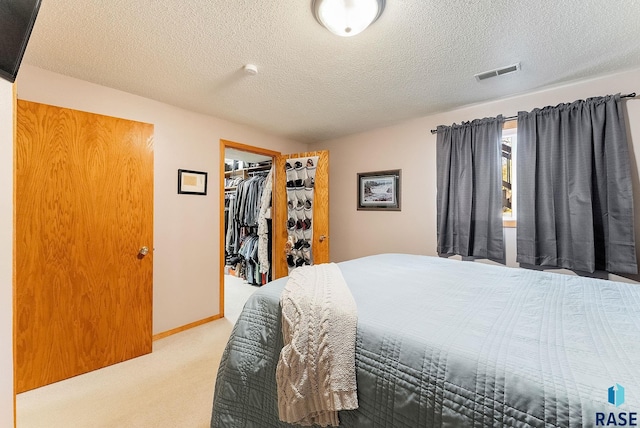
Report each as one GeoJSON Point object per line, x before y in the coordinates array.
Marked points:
{"type": "Point", "coordinates": [83, 210]}
{"type": "Point", "coordinates": [320, 224]}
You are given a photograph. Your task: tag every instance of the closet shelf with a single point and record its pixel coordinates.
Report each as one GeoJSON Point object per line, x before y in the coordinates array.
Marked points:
{"type": "Point", "coordinates": [243, 171]}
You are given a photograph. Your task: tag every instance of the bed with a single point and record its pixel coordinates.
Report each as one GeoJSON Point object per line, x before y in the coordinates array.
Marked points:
{"type": "Point", "coordinates": [446, 343]}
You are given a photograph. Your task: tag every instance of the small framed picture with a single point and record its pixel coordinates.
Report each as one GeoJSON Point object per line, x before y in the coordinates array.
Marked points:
{"type": "Point", "coordinates": [192, 182]}
{"type": "Point", "coordinates": [379, 190]}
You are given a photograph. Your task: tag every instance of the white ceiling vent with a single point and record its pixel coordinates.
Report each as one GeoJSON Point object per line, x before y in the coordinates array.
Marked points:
{"type": "Point", "coordinates": [497, 72]}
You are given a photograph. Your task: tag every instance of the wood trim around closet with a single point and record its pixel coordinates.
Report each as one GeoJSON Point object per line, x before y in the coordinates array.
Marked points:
{"type": "Point", "coordinates": [224, 144]}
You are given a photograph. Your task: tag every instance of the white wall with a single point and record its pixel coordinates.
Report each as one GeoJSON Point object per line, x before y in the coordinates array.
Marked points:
{"type": "Point", "coordinates": [186, 227]}
{"type": "Point", "coordinates": [6, 254]}
{"type": "Point", "coordinates": [411, 147]}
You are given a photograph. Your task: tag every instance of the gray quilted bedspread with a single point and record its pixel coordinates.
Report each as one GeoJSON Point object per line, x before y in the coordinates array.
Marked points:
{"type": "Point", "coordinates": [445, 343]}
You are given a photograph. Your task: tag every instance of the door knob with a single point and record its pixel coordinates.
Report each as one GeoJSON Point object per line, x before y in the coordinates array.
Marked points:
{"type": "Point", "coordinates": [322, 238]}
{"type": "Point", "coordinates": [143, 251]}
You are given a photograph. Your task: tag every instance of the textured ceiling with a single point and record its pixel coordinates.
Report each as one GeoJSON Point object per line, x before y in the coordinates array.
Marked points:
{"type": "Point", "coordinates": [417, 59]}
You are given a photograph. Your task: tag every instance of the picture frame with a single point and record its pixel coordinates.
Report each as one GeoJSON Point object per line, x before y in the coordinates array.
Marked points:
{"type": "Point", "coordinates": [379, 190]}
{"type": "Point", "coordinates": [192, 182]}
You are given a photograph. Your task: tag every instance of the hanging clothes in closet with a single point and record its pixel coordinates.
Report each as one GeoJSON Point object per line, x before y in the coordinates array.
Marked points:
{"type": "Point", "coordinates": [242, 243]}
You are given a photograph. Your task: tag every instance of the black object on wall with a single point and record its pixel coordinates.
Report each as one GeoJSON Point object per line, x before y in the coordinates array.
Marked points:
{"type": "Point", "coordinates": [16, 22]}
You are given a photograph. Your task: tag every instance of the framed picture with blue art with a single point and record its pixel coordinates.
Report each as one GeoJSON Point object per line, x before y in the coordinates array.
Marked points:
{"type": "Point", "coordinates": [379, 190]}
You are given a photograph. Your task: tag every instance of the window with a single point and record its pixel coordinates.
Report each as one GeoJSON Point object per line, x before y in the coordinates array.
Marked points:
{"type": "Point", "coordinates": [509, 137]}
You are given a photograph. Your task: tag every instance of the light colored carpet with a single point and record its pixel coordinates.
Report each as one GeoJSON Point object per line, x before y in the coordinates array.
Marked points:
{"type": "Point", "coordinates": [170, 388]}
{"type": "Point", "coordinates": [236, 293]}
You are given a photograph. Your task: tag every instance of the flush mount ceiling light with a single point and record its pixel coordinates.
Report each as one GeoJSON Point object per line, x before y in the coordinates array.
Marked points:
{"type": "Point", "coordinates": [347, 18]}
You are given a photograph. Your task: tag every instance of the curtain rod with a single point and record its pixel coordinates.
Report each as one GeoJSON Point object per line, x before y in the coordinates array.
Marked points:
{"type": "Point", "coordinates": [506, 119]}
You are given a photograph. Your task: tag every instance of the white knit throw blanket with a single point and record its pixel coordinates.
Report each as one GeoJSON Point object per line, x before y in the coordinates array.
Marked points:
{"type": "Point", "coordinates": [316, 373]}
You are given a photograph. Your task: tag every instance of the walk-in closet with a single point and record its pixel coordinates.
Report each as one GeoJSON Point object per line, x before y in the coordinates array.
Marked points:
{"type": "Point", "coordinates": [248, 237]}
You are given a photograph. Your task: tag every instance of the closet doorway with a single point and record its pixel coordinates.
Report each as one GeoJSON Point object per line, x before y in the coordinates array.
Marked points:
{"type": "Point", "coordinates": [254, 162]}
{"type": "Point", "coordinates": [239, 273]}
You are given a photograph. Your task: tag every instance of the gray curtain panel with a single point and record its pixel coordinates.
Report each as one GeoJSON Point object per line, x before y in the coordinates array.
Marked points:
{"type": "Point", "coordinates": [575, 199]}
{"type": "Point", "coordinates": [469, 200]}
